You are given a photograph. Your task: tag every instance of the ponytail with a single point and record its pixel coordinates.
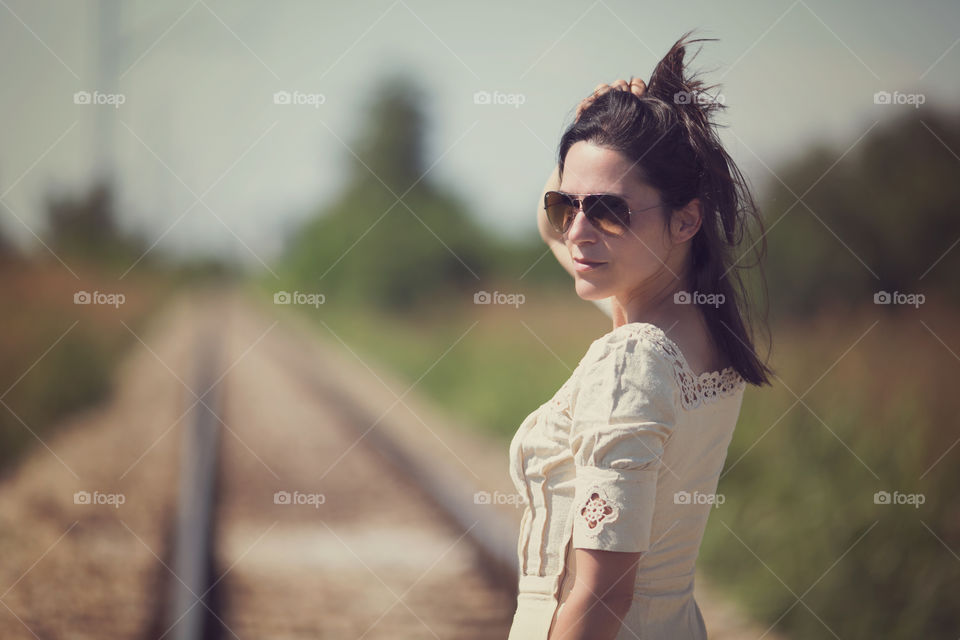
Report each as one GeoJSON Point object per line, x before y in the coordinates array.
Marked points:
{"type": "Point", "coordinates": [695, 108]}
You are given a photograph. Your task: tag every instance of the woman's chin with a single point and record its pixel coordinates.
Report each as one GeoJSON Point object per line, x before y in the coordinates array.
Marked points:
{"type": "Point", "coordinates": [589, 291]}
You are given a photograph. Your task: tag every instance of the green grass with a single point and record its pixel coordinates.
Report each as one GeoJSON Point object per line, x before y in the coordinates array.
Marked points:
{"type": "Point", "coordinates": [491, 364]}
{"type": "Point", "coordinates": [800, 483]}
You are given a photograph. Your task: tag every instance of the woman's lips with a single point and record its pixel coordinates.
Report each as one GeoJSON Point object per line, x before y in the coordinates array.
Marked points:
{"type": "Point", "coordinates": [586, 265]}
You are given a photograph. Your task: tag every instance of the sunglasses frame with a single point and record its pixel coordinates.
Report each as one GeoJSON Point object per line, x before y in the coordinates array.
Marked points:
{"type": "Point", "coordinates": [578, 202]}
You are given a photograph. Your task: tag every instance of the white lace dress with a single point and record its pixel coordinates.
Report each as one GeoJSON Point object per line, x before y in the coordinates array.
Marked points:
{"type": "Point", "coordinates": [625, 457]}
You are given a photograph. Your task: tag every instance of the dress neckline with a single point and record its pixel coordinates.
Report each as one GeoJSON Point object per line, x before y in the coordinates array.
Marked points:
{"type": "Point", "coordinates": [696, 389]}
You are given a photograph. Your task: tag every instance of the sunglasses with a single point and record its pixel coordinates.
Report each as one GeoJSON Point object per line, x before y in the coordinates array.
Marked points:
{"type": "Point", "coordinates": [607, 212]}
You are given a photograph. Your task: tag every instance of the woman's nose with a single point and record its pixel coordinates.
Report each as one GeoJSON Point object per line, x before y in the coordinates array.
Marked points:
{"type": "Point", "coordinates": [579, 225]}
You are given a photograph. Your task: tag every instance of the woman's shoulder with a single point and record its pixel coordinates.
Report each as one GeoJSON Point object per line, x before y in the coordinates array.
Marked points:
{"type": "Point", "coordinates": [630, 353]}
{"type": "Point", "coordinates": [637, 339]}
{"type": "Point", "coordinates": [643, 350]}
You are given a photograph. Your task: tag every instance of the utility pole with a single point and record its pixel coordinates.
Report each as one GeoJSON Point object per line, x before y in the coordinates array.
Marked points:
{"type": "Point", "coordinates": [108, 57]}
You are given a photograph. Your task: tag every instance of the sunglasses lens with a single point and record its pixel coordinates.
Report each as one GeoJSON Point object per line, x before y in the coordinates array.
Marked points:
{"type": "Point", "coordinates": [560, 210]}
{"type": "Point", "coordinates": [610, 214]}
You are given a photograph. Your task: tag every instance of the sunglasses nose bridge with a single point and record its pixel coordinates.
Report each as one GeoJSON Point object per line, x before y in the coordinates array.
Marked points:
{"type": "Point", "coordinates": [578, 208]}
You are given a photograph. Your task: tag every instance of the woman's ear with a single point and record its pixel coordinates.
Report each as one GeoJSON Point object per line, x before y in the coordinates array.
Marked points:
{"type": "Point", "coordinates": [685, 222]}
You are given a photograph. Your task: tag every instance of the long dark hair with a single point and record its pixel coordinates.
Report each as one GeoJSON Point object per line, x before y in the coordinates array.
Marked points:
{"type": "Point", "coordinates": [669, 134]}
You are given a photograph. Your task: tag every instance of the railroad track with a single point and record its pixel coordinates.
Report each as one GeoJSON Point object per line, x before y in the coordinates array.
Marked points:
{"type": "Point", "coordinates": [260, 513]}
{"type": "Point", "coordinates": [86, 518]}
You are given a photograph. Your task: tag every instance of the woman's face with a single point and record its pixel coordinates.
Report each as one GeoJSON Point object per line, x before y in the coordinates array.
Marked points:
{"type": "Point", "coordinates": [633, 262]}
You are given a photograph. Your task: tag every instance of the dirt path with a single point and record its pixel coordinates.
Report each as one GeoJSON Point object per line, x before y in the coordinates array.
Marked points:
{"type": "Point", "coordinates": [375, 559]}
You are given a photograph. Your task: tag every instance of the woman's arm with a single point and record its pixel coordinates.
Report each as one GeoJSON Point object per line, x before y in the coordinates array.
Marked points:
{"type": "Point", "coordinates": [555, 241]}
{"type": "Point", "coordinates": [601, 596]}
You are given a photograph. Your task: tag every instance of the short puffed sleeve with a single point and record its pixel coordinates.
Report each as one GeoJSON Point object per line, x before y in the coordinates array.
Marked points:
{"type": "Point", "coordinates": [624, 410]}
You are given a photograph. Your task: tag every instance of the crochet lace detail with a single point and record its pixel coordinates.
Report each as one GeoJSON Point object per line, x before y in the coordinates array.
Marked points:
{"type": "Point", "coordinates": [695, 391]}
{"type": "Point", "coordinates": [598, 509]}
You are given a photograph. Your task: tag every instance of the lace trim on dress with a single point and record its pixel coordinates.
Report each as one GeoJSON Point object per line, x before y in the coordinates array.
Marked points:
{"type": "Point", "coordinates": [598, 509]}
{"type": "Point", "coordinates": [695, 390]}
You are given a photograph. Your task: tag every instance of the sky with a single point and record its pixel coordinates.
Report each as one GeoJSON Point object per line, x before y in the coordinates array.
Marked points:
{"type": "Point", "coordinates": [208, 160]}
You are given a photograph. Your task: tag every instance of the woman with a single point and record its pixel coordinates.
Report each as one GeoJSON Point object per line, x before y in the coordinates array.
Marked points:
{"type": "Point", "coordinates": [619, 469]}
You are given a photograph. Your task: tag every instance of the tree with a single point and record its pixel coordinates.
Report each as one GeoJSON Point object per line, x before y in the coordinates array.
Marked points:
{"type": "Point", "coordinates": [877, 221]}
{"type": "Point", "coordinates": [86, 225]}
{"type": "Point", "coordinates": [368, 247]}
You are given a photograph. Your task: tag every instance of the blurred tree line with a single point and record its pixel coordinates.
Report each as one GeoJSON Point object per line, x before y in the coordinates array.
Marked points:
{"type": "Point", "coordinates": [37, 296]}
{"type": "Point", "coordinates": [367, 248]}
{"type": "Point", "coordinates": [875, 220]}
{"type": "Point", "coordinates": [6, 249]}
{"type": "Point", "coordinates": [878, 220]}
{"type": "Point", "coordinates": [85, 225]}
